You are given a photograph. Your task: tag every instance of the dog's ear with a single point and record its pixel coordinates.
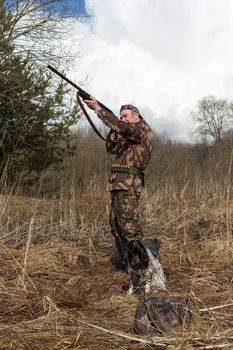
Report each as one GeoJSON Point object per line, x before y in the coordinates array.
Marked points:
{"type": "Point", "coordinates": [137, 254]}
{"type": "Point", "coordinates": [144, 255]}
{"type": "Point", "coordinates": [153, 245]}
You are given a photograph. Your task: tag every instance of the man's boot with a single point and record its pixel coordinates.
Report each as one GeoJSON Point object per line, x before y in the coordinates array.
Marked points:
{"type": "Point", "coordinates": [119, 260]}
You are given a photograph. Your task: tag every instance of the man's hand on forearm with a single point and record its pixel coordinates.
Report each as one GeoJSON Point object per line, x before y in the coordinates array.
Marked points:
{"type": "Point", "coordinates": [113, 136]}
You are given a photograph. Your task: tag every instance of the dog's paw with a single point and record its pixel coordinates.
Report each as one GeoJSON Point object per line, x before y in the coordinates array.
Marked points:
{"type": "Point", "coordinates": [147, 288]}
{"type": "Point", "coordinates": [128, 288]}
{"type": "Point", "coordinates": [131, 289]}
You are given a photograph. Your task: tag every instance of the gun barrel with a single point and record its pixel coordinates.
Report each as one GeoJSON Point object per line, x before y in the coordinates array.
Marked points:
{"type": "Point", "coordinates": [82, 92]}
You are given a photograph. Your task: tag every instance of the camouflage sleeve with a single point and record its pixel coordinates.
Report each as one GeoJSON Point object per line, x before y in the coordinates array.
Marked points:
{"type": "Point", "coordinates": [131, 131]}
{"type": "Point", "coordinates": [113, 142]}
{"type": "Point", "coordinates": [107, 118]}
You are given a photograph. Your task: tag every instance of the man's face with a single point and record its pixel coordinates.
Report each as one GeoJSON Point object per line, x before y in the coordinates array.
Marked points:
{"type": "Point", "coordinates": [129, 116]}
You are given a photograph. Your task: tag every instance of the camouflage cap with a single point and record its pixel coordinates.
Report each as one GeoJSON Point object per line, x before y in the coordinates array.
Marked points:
{"type": "Point", "coordinates": [133, 108]}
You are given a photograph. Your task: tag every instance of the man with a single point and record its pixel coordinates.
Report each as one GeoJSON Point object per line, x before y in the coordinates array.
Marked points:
{"type": "Point", "coordinates": [131, 139]}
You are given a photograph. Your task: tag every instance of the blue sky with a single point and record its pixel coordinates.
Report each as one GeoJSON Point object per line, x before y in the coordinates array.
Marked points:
{"type": "Point", "coordinates": [77, 5]}
{"type": "Point", "coordinates": [74, 6]}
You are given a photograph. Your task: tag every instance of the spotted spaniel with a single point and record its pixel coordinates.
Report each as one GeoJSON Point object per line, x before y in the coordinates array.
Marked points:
{"type": "Point", "coordinates": [143, 266]}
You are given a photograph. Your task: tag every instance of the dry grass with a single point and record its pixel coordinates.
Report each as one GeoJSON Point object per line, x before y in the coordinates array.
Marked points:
{"type": "Point", "coordinates": [56, 277]}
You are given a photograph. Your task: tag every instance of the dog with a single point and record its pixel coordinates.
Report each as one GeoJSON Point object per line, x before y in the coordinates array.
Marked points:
{"type": "Point", "coordinates": [144, 269]}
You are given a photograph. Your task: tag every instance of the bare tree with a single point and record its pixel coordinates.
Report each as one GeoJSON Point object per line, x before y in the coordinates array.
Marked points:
{"type": "Point", "coordinates": [213, 118]}
{"type": "Point", "coordinates": [38, 27]}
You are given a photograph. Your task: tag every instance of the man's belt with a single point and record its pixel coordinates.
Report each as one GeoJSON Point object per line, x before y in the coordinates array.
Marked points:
{"type": "Point", "coordinates": [132, 170]}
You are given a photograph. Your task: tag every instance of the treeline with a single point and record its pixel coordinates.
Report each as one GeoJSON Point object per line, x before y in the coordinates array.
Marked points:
{"type": "Point", "coordinates": [176, 170]}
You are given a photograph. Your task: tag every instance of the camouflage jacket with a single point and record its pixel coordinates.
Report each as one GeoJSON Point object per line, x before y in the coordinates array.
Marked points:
{"type": "Point", "coordinates": [132, 143]}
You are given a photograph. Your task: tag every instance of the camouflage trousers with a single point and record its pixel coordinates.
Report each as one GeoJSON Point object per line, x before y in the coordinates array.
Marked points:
{"type": "Point", "coordinates": [124, 215]}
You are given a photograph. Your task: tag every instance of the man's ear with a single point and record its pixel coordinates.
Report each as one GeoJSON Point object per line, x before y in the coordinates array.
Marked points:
{"type": "Point", "coordinates": [135, 114]}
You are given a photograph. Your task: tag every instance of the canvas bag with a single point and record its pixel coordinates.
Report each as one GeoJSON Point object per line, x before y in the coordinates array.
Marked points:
{"type": "Point", "coordinates": [162, 314]}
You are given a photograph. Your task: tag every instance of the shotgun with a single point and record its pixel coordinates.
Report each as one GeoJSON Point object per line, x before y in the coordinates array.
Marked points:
{"type": "Point", "coordinates": [82, 93]}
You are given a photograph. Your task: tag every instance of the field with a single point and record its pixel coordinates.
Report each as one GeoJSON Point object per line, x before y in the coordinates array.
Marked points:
{"type": "Point", "coordinates": [58, 289]}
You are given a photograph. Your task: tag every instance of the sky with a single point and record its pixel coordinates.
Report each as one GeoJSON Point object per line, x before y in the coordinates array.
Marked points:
{"type": "Point", "coordinates": [160, 55]}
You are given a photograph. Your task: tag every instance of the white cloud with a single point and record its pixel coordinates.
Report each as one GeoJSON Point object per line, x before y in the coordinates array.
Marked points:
{"type": "Point", "coordinates": [162, 55]}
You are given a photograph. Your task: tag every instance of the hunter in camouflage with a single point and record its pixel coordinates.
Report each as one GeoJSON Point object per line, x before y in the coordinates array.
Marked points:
{"type": "Point", "coordinates": [131, 140]}
{"type": "Point", "coordinates": [132, 144]}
